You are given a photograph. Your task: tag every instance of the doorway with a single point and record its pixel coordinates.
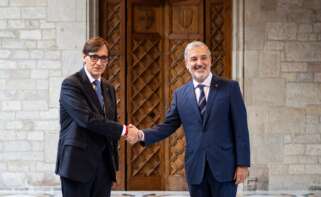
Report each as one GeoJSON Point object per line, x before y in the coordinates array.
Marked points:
{"type": "Point", "coordinates": [147, 39]}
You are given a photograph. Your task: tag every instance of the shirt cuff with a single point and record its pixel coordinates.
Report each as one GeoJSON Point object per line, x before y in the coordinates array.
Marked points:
{"type": "Point", "coordinates": [141, 136]}
{"type": "Point", "coordinates": [123, 133]}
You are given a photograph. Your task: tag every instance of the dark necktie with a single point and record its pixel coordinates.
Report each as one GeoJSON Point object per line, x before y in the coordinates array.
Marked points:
{"type": "Point", "coordinates": [202, 100]}
{"type": "Point", "coordinates": [97, 87]}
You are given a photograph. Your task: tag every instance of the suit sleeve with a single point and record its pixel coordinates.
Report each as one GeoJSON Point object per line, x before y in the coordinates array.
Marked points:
{"type": "Point", "coordinates": [240, 127]}
{"type": "Point", "coordinates": [115, 142]}
{"type": "Point", "coordinates": [166, 128]}
{"type": "Point", "coordinates": [73, 100]}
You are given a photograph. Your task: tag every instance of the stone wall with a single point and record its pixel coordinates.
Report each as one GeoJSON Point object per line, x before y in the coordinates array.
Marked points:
{"type": "Point", "coordinates": [282, 88]}
{"type": "Point", "coordinates": [40, 44]}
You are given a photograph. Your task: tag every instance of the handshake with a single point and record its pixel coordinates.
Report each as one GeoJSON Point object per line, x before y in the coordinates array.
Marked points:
{"type": "Point", "coordinates": [134, 135]}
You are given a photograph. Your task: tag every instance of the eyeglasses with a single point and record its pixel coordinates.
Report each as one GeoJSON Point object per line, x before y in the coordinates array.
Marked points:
{"type": "Point", "coordinates": [104, 59]}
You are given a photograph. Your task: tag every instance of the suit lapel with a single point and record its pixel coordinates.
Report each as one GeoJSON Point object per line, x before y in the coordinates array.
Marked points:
{"type": "Point", "coordinates": [191, 99]}
{"type": "Point", "coordinates": [211, 98]}
{"type": "Point", "coordinates": [89, 90]}
{"type": "Point", "coordinates": [107, 102]}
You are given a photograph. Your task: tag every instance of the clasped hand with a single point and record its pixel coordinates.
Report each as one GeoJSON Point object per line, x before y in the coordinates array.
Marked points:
{"type": "Point", "coordinates": [134, 135]}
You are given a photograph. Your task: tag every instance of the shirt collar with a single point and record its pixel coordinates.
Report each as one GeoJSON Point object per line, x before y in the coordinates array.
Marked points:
{"type": "Point", "coordinates": [206, 82]}
{"type": "Point", "coordinates": [90, 77]}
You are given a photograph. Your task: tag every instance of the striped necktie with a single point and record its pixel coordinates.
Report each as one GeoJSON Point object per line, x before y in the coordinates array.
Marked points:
{"type": "Point", "coordinates": [202, 100]}
{"type": "Point", "coordinates": [97, 87]}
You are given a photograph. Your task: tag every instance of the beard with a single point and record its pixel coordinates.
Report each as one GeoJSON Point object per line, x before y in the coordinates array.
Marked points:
{"type": "Point", "coordinates": [197, 75]}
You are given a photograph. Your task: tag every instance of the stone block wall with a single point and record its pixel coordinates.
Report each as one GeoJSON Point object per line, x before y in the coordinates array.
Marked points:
{"type": "Point", "coordinates": [282, 89]}
{"type": "Point", "coordinates": [40, 44]}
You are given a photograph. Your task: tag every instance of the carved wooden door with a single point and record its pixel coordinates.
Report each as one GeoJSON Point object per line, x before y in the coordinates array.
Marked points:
{"type": "Point", "coordinates": [147, 39]}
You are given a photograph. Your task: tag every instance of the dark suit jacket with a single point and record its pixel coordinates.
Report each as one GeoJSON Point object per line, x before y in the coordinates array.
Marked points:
{"type": "Point", "coordinates": [88, 135]}
{"type": "Point", "coordinates": [221, 138]}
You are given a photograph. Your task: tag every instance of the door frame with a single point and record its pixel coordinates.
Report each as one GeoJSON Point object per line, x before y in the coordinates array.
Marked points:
{"type": "Point", "coordinates": [237, 45]}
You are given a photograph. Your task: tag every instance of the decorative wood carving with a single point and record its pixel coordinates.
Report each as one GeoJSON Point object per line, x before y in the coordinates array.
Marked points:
{"type": "Point", "coordinates": [219, 35]}
{"type": "Point", "coordinates": [145, 105]}
{"type": "Point", "coordinates": [185, 19]}
{"type": "Point", "coordinates": [112, 34]}
{"type": "Point", "coordinates": [178, 72]}
{"type": "Point", "coordinates": [146, 19]}
{"type": "Point", "coordinates": [178, 76]}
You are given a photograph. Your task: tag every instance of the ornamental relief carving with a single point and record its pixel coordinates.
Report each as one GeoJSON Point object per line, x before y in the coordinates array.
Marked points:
{"type": "Point", "coordinates": [146, 19]}
{"type": "Point", "coordinates": [185, 17]}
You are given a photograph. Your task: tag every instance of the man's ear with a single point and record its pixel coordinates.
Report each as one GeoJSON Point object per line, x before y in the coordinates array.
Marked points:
{"type": "Point", "coordinates": [188, 68]}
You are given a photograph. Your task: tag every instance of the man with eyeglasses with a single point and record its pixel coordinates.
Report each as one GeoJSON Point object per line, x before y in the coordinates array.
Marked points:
{"type": "Point", "coordinates": [87, 157]}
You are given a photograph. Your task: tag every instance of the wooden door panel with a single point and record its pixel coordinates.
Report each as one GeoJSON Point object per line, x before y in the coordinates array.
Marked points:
{"type": "Point", "coordinates": [219, 35]}
{"type": "Point", "coordinates": [145, 90]}
{"type": "Point", "coordinates": [144, 111]}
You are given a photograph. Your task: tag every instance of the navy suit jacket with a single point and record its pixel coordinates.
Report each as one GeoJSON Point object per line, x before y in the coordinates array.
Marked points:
{"type": "Point", "coordinates": [221, 138]}
{"type": "Point", "coordinates": [89, 134]}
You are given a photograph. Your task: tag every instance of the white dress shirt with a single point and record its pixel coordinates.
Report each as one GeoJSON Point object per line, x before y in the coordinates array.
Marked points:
{"type": "Point", "coordinates": [90, 77]}
{"type": "Point", "coordinates": [206, 83]}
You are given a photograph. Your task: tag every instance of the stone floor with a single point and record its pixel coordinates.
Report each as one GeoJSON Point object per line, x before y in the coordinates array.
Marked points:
{"type": "Point", "coordinates": [55, 193]}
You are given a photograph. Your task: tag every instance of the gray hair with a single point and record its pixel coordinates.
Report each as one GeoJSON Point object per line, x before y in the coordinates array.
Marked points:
{"type": "Point", "coordinates": [194, 44]}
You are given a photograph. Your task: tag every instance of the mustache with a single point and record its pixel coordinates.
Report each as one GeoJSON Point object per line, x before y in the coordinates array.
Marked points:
{"type": "Point", "coordinates": [197, 66]}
